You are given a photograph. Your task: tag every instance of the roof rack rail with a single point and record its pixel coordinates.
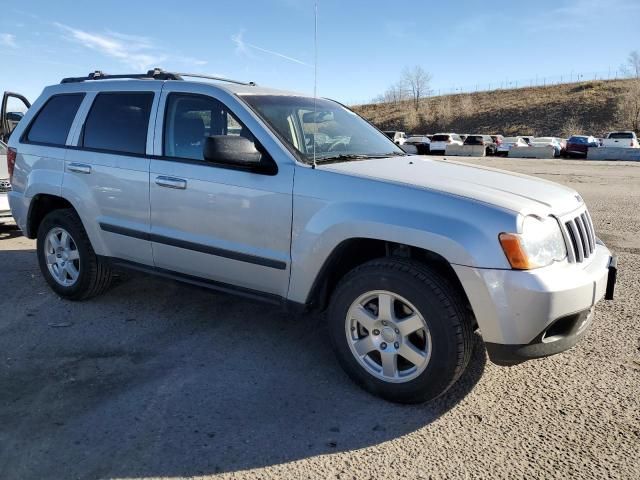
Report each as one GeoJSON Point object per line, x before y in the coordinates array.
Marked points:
{"type": "Point", "coordinates": [220, 79]}
{"type": "Point", "coordinates": [155, 74]}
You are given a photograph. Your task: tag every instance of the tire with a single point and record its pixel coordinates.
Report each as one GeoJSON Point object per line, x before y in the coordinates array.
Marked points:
{"type": "Point", "coordinates": [446, 340]}
{"type": "Point", "coordinates": [93, 272]}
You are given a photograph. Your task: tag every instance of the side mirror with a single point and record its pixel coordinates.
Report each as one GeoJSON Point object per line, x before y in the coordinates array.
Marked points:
{"type": "Point", "coordinates": [231, 150]}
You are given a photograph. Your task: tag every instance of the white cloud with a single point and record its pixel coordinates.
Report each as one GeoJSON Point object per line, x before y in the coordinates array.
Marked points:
{"type": "Point", "coordinates": [8, 40]}
{"type": "Point", "coordinates": [243, 48]}
{"type": "Point", "coordinates": [574, 15]}
{"type": "Point", "coordinates": [136, 52]}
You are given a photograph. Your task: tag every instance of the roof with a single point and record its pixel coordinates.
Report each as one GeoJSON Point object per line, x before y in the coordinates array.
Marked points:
{"type": "Point", "coordinates": [236, 87]}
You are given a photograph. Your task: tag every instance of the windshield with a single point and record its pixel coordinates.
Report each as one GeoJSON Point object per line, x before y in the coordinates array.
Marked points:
{"type": "Point", "coordinates": [336, 132]}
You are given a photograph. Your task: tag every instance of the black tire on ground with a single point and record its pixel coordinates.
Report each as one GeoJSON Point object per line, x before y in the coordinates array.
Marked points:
{"type": "Point", "coordinates": [443, 309]}
{"type": "Point", "coordinates": [94, 273]}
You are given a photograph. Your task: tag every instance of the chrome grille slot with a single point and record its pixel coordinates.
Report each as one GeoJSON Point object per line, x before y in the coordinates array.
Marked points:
{"type": "Point", "coordinates": [579, 236]}
{"type": "Point", "coordinates": [589, 231]}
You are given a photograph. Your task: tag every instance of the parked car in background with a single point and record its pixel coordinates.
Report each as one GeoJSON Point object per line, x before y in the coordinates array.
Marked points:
{"type": "Point", "coordinates": [5, 186]}
{"type": "Point", "coordinates": [421, 142]}
{"type": "Point", "coordinates": [463, 136]}
{"type": "Point", "coordinates": [440, 141]}
{"type": "Point", "coordinates": [398, 137]}
{"type": "Point", "coordinates": [578, 145]}
{"type": "Point", "coordinates": [511, 142]}
{"type": "Point", "coordinates": [621, 139]}
{"type": "Point", "coordinates": [548, 142]}
{"type": "Point", "coordinates": [563, 146]}
{"type": "Point", "coordinates": [489, 145]}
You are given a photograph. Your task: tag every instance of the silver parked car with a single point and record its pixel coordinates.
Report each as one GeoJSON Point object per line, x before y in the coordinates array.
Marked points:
{"type": "Point", "coordinates": [300, 202]}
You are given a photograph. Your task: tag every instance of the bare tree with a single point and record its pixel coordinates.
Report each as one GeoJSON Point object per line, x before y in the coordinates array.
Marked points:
{"type": "Point", "coordinates": [466, 105]}
{"type": "Point", "coordinates": [632, 67]}
{"type": "Point", "coordinates": [417, 81]}
{"type": "Point", "coordinates": [396, 93]}
{"type": "Point", "coordinates": [629, 107]}
{"type": "Point", "coordinates": [572, 126]}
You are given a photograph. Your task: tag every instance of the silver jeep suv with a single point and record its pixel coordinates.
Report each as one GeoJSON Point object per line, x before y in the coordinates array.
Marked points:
{"type": "Point", "coordinates": [298, 201]}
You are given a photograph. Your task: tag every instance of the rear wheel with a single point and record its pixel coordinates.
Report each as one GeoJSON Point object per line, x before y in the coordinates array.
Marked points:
{"type": "Point", "coordinates": [400, 330]}
{"type": "Point", "coordinates": [66, 258]}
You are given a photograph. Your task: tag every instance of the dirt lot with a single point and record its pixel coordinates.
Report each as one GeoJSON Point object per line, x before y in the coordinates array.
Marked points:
{"type": "Point", "coordinates": [158, 379]}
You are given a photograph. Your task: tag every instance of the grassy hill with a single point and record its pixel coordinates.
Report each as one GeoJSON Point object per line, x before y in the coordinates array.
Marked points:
{"type": "Point", "coordinates": [559, 110]}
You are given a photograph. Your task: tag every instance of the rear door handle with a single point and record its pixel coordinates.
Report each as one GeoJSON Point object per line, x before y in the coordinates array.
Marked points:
{"type": "Point", "coordinates": [171, 182]}
{"type": "Point", "coordinates": [79, 168]}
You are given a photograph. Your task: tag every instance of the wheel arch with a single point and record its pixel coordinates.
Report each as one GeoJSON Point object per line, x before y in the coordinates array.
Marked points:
{"type": "Point", "coordinates": [353, 252]}
{"type": "Point", "coordinates": [41, 205]}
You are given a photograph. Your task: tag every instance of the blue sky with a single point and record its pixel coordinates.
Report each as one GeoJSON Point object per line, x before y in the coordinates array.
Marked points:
{"type": "Point", "coordinates": [362, 45]}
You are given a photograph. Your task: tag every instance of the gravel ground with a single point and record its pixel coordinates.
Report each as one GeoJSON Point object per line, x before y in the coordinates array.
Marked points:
{"type": "Point", "coordinates": [158, 379]}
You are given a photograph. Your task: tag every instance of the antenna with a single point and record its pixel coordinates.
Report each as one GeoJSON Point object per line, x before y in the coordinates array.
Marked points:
{"type": "Point", "coordinates": [315, 79]}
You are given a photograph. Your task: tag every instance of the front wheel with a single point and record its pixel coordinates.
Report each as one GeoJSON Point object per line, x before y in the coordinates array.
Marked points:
{"type": "Point", "coordinates": [400, 330]}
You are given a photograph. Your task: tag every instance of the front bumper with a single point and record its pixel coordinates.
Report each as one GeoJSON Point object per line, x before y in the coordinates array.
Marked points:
{"type": "Point", "coordinates": [537, 313]}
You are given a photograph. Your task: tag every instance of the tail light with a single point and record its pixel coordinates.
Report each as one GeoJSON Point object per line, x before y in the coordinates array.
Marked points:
{"type": "Point", "coordinates": [11, 161]}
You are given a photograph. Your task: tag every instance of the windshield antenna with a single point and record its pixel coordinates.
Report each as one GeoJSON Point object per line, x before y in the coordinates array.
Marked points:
{"type": "Point", "coordinates": [315, 80]}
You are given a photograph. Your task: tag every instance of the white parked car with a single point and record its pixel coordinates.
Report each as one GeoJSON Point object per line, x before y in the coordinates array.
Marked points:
{"type": "Point", "coordinates": [510, 142]}
{"type": "Point", "coordinates": [399, 138]}
{"type": "Point", "coordinates": [621, 139]}
{"type": "Point", "coordinates": [5, 186]}
{"type": "Point", "coordinates": [440, 141]}
{"type": "Point", "coordinates": [421, 142]}
{"type": "Point", "coordinates": [548, 142]}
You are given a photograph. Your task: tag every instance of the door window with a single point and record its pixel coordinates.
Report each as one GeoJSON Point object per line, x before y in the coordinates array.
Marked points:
{"type": "Point", "coordinates": [189, 119]}
{"type": "Point", "coordinates": [52, 123]}
{"type": "Point", "coordinates": [118, 122]}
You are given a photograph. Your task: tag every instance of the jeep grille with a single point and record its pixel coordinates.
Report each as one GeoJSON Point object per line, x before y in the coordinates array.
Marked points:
{"type": "Point", "coordinates": [579, 236]}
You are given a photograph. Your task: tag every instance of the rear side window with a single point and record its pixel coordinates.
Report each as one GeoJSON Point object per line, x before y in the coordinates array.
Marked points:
{"type": "Point", "coordinates": [440, 138]}
{"type": "Point", "coordinates": [53, 122]}
{"type": "Point", "coordinates": [118, 122]}
{"type": "Point", "coordinates": [627, 135]}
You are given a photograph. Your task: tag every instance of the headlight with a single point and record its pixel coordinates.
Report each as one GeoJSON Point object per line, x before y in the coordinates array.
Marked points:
{"type": "Point", "coordinates": [540, 244]}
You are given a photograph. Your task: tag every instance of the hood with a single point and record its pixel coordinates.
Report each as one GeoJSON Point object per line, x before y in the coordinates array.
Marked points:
{"type": "Point", "coordinates": [512, 191]}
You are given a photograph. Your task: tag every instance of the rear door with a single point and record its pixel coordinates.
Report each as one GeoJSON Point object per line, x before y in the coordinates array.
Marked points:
{"type": "Point", "coordinates": [13, 109]}
{"type": "Point", "coordinates": [229, 226]}
{"type": "Point", "coordinates": [107, 168]}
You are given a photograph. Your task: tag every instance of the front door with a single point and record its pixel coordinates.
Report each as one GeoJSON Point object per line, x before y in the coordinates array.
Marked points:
{"type": "Point", "coordinates": [13, 109]}
{"type": "Point", "coordinates": [229, 226]}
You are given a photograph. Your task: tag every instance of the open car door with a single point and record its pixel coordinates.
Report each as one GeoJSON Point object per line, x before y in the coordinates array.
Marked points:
{"type": "Point", "coordinates": [10, 114]}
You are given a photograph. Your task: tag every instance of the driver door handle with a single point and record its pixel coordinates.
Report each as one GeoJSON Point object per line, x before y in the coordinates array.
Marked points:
{"type": "Point", "coordinates": [171, 182]}
{"type": "Point", "coordinates": [79, 168]}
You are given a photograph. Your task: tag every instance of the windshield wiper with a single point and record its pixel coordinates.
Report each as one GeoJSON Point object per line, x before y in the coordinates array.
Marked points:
{"type": "Point", "coordinates": [357, 156]}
